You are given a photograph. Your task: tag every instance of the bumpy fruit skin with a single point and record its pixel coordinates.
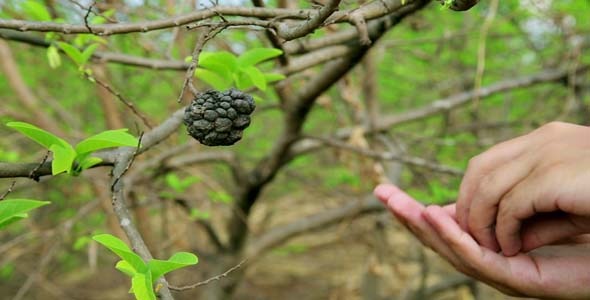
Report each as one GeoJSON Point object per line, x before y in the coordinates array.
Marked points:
{"type": "Point", "coordinates": [217, 118]}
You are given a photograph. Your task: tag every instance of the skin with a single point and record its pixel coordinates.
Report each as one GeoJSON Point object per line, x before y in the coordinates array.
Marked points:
{"type": "Point", "coordinates": [520, 223]}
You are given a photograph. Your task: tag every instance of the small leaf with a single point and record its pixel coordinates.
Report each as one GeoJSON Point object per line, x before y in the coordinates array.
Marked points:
{"type": "Point", "coordinates": [141, 285]}
{"type": "Point", "coordinates": [72, 53]}
{"type": "Point", "coordinates": [219, 67]}
{"type": "Point", "coordinates": [13, 210]}
{"type": "Point", "coordinates": [256, 77]}
{"type": "Point", "coordinates": [179, 260]}
{"type": "Point", "coordinates": [63, 159]}
{"type": "Point", "coordinates": [89, 162]}
{"type": "Point", "coordinates": [221, 57]}
{"type": "Point", "coordinates": [126, 268]}
{"type": "Point", "coordinates": [173, 181]}
{"type": "Point", "coordinates": [213, 79]}
{"type": "Point", "coordinates": [107, 139]}
{"type": "Point", "coordinates": [220, 196]}
{"type": "Point", "coordinates": [197, 214]}
{"type": "Point", "coordinates": [81, 242]}
{"type": "Point", "coordinates": [37, 134]}
{"type": "Point", "coordinates": [272, 77]}
{"type": "Point", "coordinates": [122, 250]}
{"type": "Point", "coordinates": [257, 55]}
{"type": "Point", "coordinates": [87, 53]}
{"type": "Point", "coordinates": [243, 81]}
{"type": "Point", "coordinates": [36, 11]}
{"type": "Point", "coordinates": [53, 57]}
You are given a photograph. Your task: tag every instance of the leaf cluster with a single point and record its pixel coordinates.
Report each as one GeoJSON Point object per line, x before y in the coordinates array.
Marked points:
{"type": "Point", "coordinates": [223, 69]}
{"type": "Point", "coordinates": [74, 159]}
{"type": "Point", "coordinates": [143, 275]}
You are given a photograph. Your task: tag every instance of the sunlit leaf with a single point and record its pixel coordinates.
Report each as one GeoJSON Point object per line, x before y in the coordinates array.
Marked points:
{"type": "Point", "coordinates": [213, 79]}
{"type": "Point", "coordinates": [122, 250]}
{"type": "Point", "coordinates": [53, 57]}
{"type": "Point", "coordinates": [256, 77]}
{"type": "Point", "coordinates": [257, 55]}
{"type": "Point", "coordinates": [12, 210]}
{"type": "Point", "coordinates": [72, 52]}
{"type": "Point", "coordinates": [63, 159]}
{"type": "Point", "coordinates": [44, 138]}
{"type": "Point", "coordinates": [107, 139]}
{"type": "Point", "coordinates": [141, 285]}
{"type": "Point", "coordinates": [179, 260]}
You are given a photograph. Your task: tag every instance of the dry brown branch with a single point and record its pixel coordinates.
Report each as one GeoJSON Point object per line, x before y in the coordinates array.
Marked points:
{"type": "Point", "coordinates": [280, 234]}
{"type": "Point", "coordinates": [446, 104]}
{"type": "Point", "coordinates": [390, 156]}
{"type": "Point", "coordinates": [205, 282]}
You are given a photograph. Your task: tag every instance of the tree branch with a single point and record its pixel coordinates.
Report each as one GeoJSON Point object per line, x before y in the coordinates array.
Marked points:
{"type": "Point", "coordinates": [446, 104]}
{"type": "Point", "coordinates": [280, 234]}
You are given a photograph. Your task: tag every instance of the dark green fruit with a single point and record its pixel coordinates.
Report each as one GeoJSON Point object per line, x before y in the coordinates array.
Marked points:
{"type": "Point", "coordinates": [217, 118]}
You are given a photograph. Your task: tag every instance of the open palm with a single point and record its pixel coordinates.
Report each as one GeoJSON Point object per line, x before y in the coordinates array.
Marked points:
{"type": "Point", "coordinates": [552, 271]}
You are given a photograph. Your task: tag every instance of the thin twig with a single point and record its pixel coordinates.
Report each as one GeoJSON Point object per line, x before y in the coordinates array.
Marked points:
{"type": "Point", "coordinates": [201, 41]}
{"type": "Point", "coordinates": [8, 191]}
{"type": "Point", "coordinates": [88, 11]}
{"type": "Point", "coordinates": [129, 163]}
{"type": "Point", "coordinates": [410, 160]}
{"type": "Point", "coordinates": [205, 282]}
{"type": "Point", "coordinates": [32, 174]}
{"type": "Point", "coordinates": [127, 103]}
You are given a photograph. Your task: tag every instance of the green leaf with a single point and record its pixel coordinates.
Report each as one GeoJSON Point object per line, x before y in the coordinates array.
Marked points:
{"type": "Point", "coordinates": [89, 162]}
{"type": "Point", "coordinates": [122, 250]}
{"type": "Point", "coordinates": [107, 139]}
{"type": "Point", "coordinates": [53, 57]}
{"type": "Point", "coordinates": [219, 67]}
{"type": "Point", "coordinates": [256, 77]}
{"type": "Point", "coordinates": [220, 57]}
{"type": "Point", "coordinates": [213, 79]}
{"type": "Point", "coordinates": [36, 11]}
{"type": "Point", "coordinates": [125, 268]}
{"type": "Point", "coordinates": [173, 181]}
{"type": "Point", "coordinates": [220, 196]}
{"type": "Point", "coordinates": [197, 214]}
{"type": "Point", "coordinates": [141, 285]}
{"type": "Point", "coordinates": [257, 55]}
{"type": "Point", "coordinates": [13, 210]}
{"type": "Point", "coordinates": [243, 81]}
{"type": "Point", "coordinates": [37, 134]}
{"type": "Point", "coordinates": [179, 260]}
{"type": "Point", "coordinates": [63, 159]}
{"type": "Point", "coordinates": [81, 242]}
{"type": "Point", "coordinates": [87, 53]}
{"type": "Point", "coordinates": [272, 77]}
{"type": "Point", "coordinates": [72, 52]}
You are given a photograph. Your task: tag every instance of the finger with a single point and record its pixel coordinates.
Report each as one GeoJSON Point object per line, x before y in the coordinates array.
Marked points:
{"type": "Point", "coordinates": [409, 212]}
{"type": "Point", "coordinates": [549, 229]}
{"type": "Point", "coordinates": [557, 187]}
{"type": "Point", "coordinates": [481, 262]}
{"type": "Point", "coordinates": [451, 210]}
{"type": "Point", "coordinates": [383, 191]}
{"type": "Point", "coordinates": [491, 187]}
{"type": "Point", "coordinates": [482, 164]}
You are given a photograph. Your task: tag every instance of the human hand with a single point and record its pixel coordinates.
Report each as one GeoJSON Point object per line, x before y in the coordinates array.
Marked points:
{"type": "Point", "coordinates": [529, 191]}
{"type": "Point", "coordinates": [559, 271]}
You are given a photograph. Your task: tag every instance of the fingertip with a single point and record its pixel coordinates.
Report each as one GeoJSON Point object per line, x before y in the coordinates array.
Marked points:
{"type": "Point", "coordinates": [431, 214]}
{"type": "Point", "coordinates": [384, 191]}
{"type": "Point", "coordinates": [511, 248]}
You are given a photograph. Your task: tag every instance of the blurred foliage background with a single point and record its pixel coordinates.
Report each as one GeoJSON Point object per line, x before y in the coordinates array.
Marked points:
{"type": "Point", "coordinates": [182, 201]}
